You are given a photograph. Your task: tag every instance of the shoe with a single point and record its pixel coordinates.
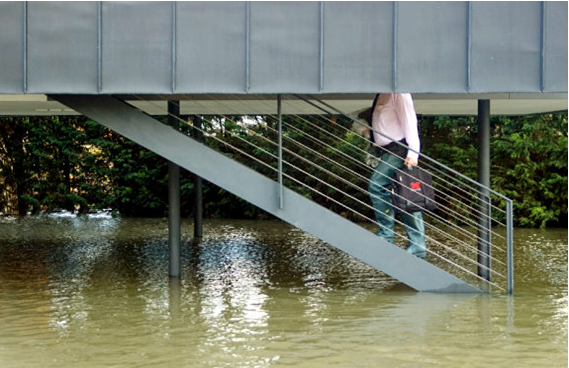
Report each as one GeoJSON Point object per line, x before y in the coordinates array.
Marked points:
{"type": "Point", "coordinates": [420, 254]}
{"type": "Point", "coordinates": [417, 251]}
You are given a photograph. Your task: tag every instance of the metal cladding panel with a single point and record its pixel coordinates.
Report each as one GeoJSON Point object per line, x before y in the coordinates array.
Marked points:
{"type": "Point", "coordinates": [62, 47]}
{"type": "Point", "coordinates": [284, 47]}
{"type": "Point", "coordinates": [506, 46]}
{"type": "Point", "coordinates": [137, 47]}
{"type": "Point", "coordinates": [358, 46]}
{"type": "Point", "coordinates": [431, 46]}
{"type": "Point", "coordinates": [210, 47]}
{"type": "Point", "coordinates": [11, 47]}
{"type": "Point", "coordinates": [555, 47]}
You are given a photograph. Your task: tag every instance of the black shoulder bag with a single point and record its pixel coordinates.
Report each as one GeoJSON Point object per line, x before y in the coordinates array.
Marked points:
{"type": "Point", "coordinates": [413, 191]}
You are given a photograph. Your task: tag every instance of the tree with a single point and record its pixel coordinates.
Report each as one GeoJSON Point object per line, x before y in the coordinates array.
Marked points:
{"type": "Point", "coordinates": [528, 155]}
{"type": "Point", "coordinates": [49, 163]}
{"type": "Point", "coordinates": [530, 167]}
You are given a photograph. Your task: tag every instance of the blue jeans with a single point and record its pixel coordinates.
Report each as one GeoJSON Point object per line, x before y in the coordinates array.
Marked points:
{"type": "Point", "coordinates": [380, 194]}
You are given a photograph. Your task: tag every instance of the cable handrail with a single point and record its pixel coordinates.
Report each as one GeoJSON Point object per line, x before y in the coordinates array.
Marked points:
{"type": "Point", "coordinates": [347, 182]}
{"type": "Point", "coordinates": [472, 181]}
{"type": "Point", "coordinates": [366, 192]}
{"type": "Point", "coordinates": [457, 216]}
{"type": "Point", "coordinates": [423, 156]}
{"type": "Point", "coordinates": [453, 238]}
{"type": "Point", "coordinates": [436, 229]}
{"type": "Point", "coordinates": [312, 124]}
{"type": "Point", "coordinates": [357, 174]}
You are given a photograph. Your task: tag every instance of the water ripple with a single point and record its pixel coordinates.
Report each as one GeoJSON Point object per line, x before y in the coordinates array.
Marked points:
{"type": "Point", "coordinates": [94, 292]}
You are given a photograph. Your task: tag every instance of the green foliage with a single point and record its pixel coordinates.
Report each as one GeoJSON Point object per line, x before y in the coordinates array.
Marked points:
{"type": "Point", "coordinates": [41, 162]}
{"type": "Point", "coordinates": [76, 164]}
{"type": "Point", "coordinates": [528, 154]}
{"type": "Point", "coordinates": [451, 141]}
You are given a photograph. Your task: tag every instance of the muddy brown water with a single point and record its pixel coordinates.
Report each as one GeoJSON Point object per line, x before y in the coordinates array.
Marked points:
{"type": "Point", "coordinates": [94, 292]}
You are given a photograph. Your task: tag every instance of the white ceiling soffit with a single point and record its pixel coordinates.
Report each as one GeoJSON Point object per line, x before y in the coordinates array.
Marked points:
{"type": "Point", "coordinates": [427, 104]}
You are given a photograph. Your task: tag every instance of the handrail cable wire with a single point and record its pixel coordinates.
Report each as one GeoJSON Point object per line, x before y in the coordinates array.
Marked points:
{"type": "Point", "coordinates": [296, 180]}
{"type": "Point", "coordinates": [361, 215]}
{"type": "Point", "coordinates": [451, 213]}
{"type": "Point", "coordinates": [462, 217]}
{"type": "Point", "coordinates": [357, 121]}
{"type": "Point", "coordinates": [289, 164]}
{"type": "Point", "coordinates": [472, 181]}
{"type": "Point", "coordinates": [472, 248]}
{"type": "Point", "coordinates": [473, 209]}
{"type": "Point", "coordinates": [423, 156]}
{"type": "Point", "coordinates": [366, 179]}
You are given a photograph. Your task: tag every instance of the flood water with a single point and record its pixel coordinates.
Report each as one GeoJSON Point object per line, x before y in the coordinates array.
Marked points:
{"type": "Point", "coordinates": [94, 292]}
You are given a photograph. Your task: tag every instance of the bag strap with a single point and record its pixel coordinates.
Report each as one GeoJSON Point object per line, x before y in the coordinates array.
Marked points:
{"type": "Point", "coordinates": [371, 135]}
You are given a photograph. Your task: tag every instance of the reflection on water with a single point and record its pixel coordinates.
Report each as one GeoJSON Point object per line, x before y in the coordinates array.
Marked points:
{"type": "Point", "coordinates": [94, 292]}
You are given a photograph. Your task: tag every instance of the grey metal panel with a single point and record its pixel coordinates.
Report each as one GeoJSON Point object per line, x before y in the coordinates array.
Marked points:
{"type": "Point", "coordinates": [555, 47]}
{"type": "Point", "coordinates": [62, 47]}
{"type": "Point", "coordinates": [137, 47]}
{"type": "Point", "coordinates": [11, 47]}
{"type": "Point", "coordinates": [431, 46]}
{"type": "Point", "coordinates": [357, 46]}
{"type": "Point", "coordinates": [210, 47]}
{"type": "Point", "coordinates": [505, 46]}
{"type": "Point", "coordinates": [280, 47]}
{"type": "Point", "coordinates": [284, 47]}
{"type": "Point", "coordinates": [263, 192]}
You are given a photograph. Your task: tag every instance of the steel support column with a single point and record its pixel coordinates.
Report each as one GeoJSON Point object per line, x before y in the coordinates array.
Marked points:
{"type": "Point", "coordinates": [484, 241]}
{"type": "Point", "coordinates": [198, 188]}
{"type": "Point", "coordinates": [280, 163]}
{"type": "Point", "coordinates": [174, 200]}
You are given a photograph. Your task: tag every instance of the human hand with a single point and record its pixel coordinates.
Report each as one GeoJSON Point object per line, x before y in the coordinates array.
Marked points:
{"type": "Point", "coordinates": [411, 162]}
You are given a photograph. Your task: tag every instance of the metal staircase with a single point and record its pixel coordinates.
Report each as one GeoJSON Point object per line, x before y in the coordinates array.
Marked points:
{"type": "Point", "coordinates": [310, 171]}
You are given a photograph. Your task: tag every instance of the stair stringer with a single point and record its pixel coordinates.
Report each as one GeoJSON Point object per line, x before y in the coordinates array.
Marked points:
{"type": "Point", "coordinates": [264, 193]}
